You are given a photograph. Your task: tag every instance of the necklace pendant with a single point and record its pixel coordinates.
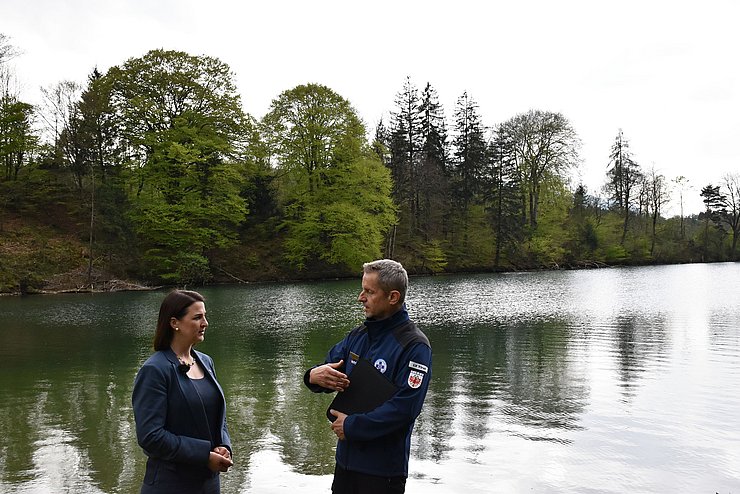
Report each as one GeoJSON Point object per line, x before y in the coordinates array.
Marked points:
{"type": "Point", "coordinates": [182, 362]}
{"type": "Point", "coordinates": [184, 367]}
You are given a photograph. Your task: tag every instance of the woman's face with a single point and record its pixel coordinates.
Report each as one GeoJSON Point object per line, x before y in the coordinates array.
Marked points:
{"type": "Point", "coordinates": [192, 326]}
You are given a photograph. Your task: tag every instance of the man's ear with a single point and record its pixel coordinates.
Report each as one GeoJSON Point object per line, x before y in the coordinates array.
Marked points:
{"type": "Point", "coordinates": [394, 297]}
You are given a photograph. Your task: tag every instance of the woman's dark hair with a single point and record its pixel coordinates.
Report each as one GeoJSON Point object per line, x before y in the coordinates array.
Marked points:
{"type": "Point", "coordinates": [175, 304]}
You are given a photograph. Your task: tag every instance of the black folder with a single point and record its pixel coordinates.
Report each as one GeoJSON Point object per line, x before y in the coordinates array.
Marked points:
{"type": "Point", "coordinates": [367, 390]}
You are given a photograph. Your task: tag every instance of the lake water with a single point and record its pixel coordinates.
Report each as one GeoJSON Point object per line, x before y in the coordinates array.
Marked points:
{"type": "Point", "coordinates": [602, 381]}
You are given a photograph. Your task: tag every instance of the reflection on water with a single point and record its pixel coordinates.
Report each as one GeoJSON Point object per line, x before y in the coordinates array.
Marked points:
{"type": "Point", "coordinates": [588, 381]}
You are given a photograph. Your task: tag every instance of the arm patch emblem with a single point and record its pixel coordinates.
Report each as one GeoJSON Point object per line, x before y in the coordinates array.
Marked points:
{"type": "Point", "coordinates": [418, 366]}
{"type": "Point", "coordinates": [415, 379]}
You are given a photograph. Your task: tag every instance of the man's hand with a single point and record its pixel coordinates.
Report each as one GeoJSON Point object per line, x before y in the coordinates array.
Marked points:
{"type": "Point", "coordinates": [218, 461]}
{"type": "Point", "coordinates": [338, 425]}
{"type": "Point", "coordinates": [327, 376]}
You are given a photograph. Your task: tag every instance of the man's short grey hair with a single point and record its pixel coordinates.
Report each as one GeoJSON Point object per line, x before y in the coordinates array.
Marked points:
{"type": "Point", "coordinates": [391, 275]}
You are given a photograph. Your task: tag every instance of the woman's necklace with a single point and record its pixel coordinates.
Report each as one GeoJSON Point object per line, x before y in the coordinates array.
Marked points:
{"type": "Point", "coordinates": [184, 367]}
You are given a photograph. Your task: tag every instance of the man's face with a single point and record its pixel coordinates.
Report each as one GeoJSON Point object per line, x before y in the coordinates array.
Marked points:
{"type": "Point", "coordinates": [378, 303]}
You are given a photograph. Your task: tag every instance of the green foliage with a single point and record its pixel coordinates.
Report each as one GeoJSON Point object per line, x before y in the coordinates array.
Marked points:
{"type": "Point", "coordinates": [184, 116]}
{"type": "Point", "coordinates": [474, 243]}
{"type": "Point", "coordinates": [616, 254]}
{"type": "Point", "coordinates": [185, 268]}
{"type": "Point", "coordinates": [151, 92]}
{"type": "Point", "coordinates": [17, 139]}
{"type": "Point", "coordinates": [544, 147]}
{"type": "Point", "coordinates": [157, 168]}
{"type": "Point", "coordinates": [547, 241]}
{"type": "Point", "coordinates": [311, 130]}
{"type": "Point", "coordinates": [346, 223]}
{"type": "Point", "coordinates": [334, 190]}
{"type": "Point", "coordinates": [434, 258]}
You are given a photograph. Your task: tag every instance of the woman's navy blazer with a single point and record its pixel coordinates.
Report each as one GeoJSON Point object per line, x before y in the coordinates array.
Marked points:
{"type": "Point", "coordinates": [171, 423]}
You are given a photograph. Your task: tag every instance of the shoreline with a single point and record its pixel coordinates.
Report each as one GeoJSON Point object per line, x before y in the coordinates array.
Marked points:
{"type": "Point", "coordinates": [70, 283]}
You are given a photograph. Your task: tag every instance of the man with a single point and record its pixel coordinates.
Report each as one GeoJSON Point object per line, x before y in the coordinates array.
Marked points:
{"type": "Point", "coordinates": [373, 447]}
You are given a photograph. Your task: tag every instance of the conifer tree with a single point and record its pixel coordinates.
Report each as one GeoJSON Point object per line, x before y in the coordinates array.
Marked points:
{"type": "Point", "coordinates": [469, 152]}
{"type": "Point", "coordinates": [623, 176]}
{"type": "Point", "coordinates": [714, 202]}
{"type": "Point", "coordinates": [431, 194]}
{"type": "Point", "coordinates": [503, 194]}
{"type": "Point", "coordinates": [405, 146]}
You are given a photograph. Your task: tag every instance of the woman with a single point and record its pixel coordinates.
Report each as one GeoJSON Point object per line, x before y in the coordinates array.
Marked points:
{"type": "Point", "coordinates": [179, 407]}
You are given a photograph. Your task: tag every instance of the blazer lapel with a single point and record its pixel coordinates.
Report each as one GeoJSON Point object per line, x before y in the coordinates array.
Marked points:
{"type": "Point", "coordinates": [192, 398]}
{"type": "Point", "coordinates": [209, 372]}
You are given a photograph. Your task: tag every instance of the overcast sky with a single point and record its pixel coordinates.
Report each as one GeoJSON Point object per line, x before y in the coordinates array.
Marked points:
{"type": "Point", "coordinates": [666, 72]}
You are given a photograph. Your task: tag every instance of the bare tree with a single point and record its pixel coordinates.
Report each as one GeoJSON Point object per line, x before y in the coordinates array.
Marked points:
{"type": "Point", "coordinates": [682, 185]}
{"type": "Point", "coordinates": [731, 214]}
{"type": "Point", "coordinates": [58, 107]}
{"type": "Point", "coordinates": [8, 84]}
{"type": "Point", "coordinates": [658, 194]}
{"type": "Point", "coordinates": [7, 51]}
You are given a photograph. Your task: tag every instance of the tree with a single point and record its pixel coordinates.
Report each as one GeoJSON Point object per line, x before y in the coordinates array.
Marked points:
{"type": "Point", "coordinates": [503, 192]}
{"type": "Point", "coordinates": [545, 147]}
{"type": "Point", "coordinates": [382, 142]}
{"type": "Point", "coordinates": [59, 114]}
{"type": "Point", "coordinates": [99, 127]}
{"type": "Point", "coordinates": [731, 208]}
{"type": "Point", "coordinates": [658, 196]}
{"type": "Point", "coordinates": [405, 146]}
{"type": "Point", "coordinates": [470, 151]}
{"type": "Point", "coordinates": [430, 199]}
{"type": "Point", "coordinates": [345, 222]}
{"type": "Point", "coordinates": [723, 208]}
{"type": "Point", "coordinates": [623, 175]}
{"type": "Point", "coordinates": [17, 138]}
{"type": "Point", "coordinates": [682, 184]}
{"type": "Point", "coordinates": [7, 50]}
{"type": "Point", "coordinates": [95, 131]}
{"type": "Point", "coordinates": [309, 130]}
{"type": "Point", "coordinates": [582, 225]}
{"type": "Point", "coordinates": [334, 191]}
{"type": "Point", "coordinates": [181, 123]}
{"type": "Point", "coordinates": [8, 85]}
{"type": "Point", "coordinates": [714, 203]}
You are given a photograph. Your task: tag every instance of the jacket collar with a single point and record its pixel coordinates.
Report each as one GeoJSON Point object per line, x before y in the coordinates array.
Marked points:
{"type": "Point", "coordinates": [171, 356]}
{"type": "Point", "coordinates": [375, 327]}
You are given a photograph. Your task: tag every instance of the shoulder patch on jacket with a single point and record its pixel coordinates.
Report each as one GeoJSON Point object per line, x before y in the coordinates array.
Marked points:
{"type": "Point", "coordinates": [418, 366]}
{"type": "Point", "coordinates": [415, 379]}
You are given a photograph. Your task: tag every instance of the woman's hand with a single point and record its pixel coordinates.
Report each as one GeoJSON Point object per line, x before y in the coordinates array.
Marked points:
{"type": "Point", "coordinates": [223, 451]}
{"type": "Point", "coordinates": [218, 461]}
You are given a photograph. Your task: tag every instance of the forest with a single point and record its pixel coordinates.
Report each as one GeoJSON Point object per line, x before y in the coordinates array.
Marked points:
{"type": "Point", "coordinates": [152, 171]}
